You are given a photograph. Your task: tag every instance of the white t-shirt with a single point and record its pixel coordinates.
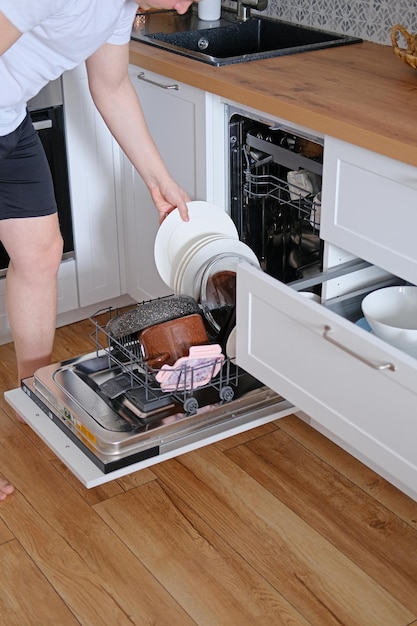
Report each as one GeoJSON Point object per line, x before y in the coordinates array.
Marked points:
{"type": "Point", "coordinates": [57, 36]}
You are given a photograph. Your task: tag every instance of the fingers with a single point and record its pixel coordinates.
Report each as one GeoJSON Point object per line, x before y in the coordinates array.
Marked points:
{"type": "Point", "coordinates": [169, 196]}
{"type": "Point", "coordinates": [183, 209]}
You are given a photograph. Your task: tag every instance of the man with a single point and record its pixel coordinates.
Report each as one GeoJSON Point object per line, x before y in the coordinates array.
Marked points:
{"type": "Point", "coordinates": [38, 42]}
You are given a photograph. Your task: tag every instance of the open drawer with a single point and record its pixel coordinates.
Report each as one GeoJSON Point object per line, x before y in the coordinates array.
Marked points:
{"type": "Point", "coordinates": [357, 389]}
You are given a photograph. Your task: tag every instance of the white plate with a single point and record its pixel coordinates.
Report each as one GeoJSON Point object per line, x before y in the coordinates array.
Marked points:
{"type": "Point", "coordinates": [179, 263]}
{"type": "Point", "coordinates": [191, 278]}
{"type": "Point", "coordinates": [180, 266]}
{"type": "Point", "coordinates": [174, 234]}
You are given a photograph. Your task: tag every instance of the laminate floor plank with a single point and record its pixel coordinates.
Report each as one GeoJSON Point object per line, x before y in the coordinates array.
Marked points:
{"type": "Point", "coordinates": [313, 575]}
{"type": "Point", "coordinates": [23, 587]}
{"type": "Point", "coordinates": [274, 526]}
{"type": "Point", "coordinates": [87, 564]}
{"type": "Point", "coordinates": [368, 480]}
{"type": "Point", "coordinates": [248, 435]}
{"type": "Point", "coordinates": [339, 510]}
{"type": "Point", "coordinates": [5, 534]}
{"type": "Point", "coordinates": [213, 583]}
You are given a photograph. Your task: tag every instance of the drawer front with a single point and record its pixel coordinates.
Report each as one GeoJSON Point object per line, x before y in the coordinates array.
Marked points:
{"type": "Point", "coordinates": [332, 377]}
{"type": "Point", "coordinates": [369, 207]}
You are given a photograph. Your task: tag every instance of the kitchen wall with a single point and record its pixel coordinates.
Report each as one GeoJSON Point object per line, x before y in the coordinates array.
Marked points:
{"type": "Point", "coordinates": [369, 19]}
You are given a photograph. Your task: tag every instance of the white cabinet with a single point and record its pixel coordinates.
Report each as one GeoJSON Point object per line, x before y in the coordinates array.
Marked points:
{"type": "Point", "coordinates": [354, 387]}
{"type": "Point", "coordinates": [181, 121]}
{"type": "Point", "coordinates": [67, 293]}
{"type": "Point", "coordinates": [371, 207]}
{"type": "Point", "coordinates": [93, 177]}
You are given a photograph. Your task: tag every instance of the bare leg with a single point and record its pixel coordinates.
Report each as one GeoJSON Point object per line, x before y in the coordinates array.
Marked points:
{"type": "Point", "coordinates": [5, 489]}
{"type": "Point", "coordinates": [35, 249]}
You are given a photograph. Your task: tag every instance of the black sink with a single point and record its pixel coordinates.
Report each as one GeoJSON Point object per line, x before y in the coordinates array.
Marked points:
{"type": "Point", "coordinates": [231, 41]}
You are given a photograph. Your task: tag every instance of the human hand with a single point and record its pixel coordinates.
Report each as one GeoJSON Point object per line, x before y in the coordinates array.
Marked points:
{"type": "Point", "coordinates": [168, 197]}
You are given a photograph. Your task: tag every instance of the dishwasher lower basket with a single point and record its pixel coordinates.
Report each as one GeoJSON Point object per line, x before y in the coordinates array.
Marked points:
{"type": "Point", "coordinates": [138, 381]}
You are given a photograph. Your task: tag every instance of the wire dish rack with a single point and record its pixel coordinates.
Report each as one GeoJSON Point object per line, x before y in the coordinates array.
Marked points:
{"type": "Point", "coordinates": [282, 216]}
{"type": "Point", "coordinates": [139, 382]}
{"type": "Point", "coordinates": [261, 184]}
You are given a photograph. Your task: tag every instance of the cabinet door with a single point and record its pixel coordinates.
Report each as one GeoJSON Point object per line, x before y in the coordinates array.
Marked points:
{"type": "Point", "coordinates": [357, 389]}
{"type": "Point", "coordinates": [369, 207]}
{"type": "Point", "coordinates": [92, 184]}
{"type": "Point", "coordinates": [176, 117]}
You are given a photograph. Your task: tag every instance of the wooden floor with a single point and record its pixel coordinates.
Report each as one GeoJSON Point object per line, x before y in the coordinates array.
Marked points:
{"type": "Point", "coordinates": [275, 526]}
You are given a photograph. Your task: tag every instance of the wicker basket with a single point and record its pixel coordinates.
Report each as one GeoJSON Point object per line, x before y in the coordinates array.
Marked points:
{"type": "Point", "coordinates": [409, 54]}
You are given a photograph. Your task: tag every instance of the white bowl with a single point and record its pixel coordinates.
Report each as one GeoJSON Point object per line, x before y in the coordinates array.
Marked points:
{"type": "Point", "coordinates": [392, 315]}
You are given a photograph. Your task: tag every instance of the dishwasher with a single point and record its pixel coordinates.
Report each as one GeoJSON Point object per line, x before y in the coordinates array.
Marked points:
{"type": "Point", "coordinates": [275, 195]}
{"type": "Point", "coordinates": [104, 414]}
{"type": "Point", "coordinates": [275, 189]}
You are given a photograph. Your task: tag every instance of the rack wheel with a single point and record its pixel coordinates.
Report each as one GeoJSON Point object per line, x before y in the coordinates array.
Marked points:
{"type": "Point", "coordinates": [191, 406]}
{"type": "Point", "coordinates": [226, 394]}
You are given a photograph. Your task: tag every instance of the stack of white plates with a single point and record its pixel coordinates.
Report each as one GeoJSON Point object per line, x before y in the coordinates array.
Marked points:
{"type": "Point", "coordinates": [183, 249]}
{"type": "Point", "coordinates": [175, 237]}
{"type": "Point", "coordinates": [188, 260]}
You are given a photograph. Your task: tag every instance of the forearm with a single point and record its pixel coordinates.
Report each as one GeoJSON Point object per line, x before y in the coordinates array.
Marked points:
{"type": "Point", "coordinates": [9, 34]}
{"type": "Point", "coordinates": [116, 99]}
{"type": "Point", "coordinates": [122, 112]}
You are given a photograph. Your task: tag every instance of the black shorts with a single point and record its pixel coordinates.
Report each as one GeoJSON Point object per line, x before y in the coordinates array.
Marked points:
{"type": "Point", "coordinates": [26, 187]}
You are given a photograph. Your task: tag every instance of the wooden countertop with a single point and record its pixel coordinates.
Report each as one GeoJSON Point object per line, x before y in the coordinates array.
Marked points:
{"type": "Point", "coordinates": [361, 93]}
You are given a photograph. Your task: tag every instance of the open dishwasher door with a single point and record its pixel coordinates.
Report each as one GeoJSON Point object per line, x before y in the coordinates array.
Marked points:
{"type": "Point", "coordinates": [104, 415]}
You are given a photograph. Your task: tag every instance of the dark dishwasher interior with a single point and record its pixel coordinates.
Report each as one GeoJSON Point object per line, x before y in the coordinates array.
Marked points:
{"type": "Point", "coordinates": [275, 196]}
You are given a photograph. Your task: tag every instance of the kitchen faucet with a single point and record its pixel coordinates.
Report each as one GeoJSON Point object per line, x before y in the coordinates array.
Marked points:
{"type": "Point", "coordinates": [244, 7]}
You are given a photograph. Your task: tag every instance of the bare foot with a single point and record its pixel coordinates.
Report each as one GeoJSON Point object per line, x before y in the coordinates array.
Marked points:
{"type": "Point", "coordinates": [5, 489]}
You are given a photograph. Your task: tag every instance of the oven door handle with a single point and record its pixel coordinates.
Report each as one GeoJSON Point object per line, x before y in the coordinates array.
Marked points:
{"type": "Point", "coordinates": [42, 124]}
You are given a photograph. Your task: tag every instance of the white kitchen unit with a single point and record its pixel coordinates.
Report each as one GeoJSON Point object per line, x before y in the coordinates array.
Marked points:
{"type": "Point", "coordinates": [355, 388]}
{"type": "Point", "coordinates": [350, 385]}
{"type": "Point", "coordinates": [92, 162]}
{"type": "Point", "coordinates": [371, 204]}
{"type": "Point", "coordinates": [67, 294]}
{"type": "Point", "coordinates": [181, 120]}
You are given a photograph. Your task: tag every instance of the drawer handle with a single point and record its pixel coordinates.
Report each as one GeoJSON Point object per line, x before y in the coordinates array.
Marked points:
{"type": "Point", "coordinates": [142, 76]}
{"type": "Point", "coordinates": [382, 366]}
